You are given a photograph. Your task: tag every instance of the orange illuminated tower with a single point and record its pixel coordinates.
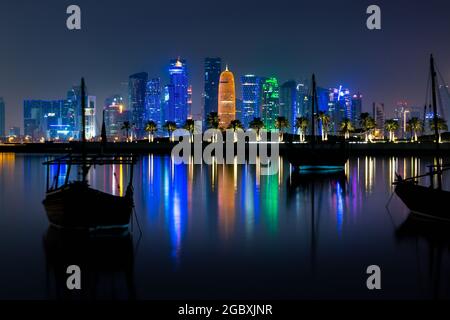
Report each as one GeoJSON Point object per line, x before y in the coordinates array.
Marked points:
{"type": "Point", "coordinates": [227, 99]}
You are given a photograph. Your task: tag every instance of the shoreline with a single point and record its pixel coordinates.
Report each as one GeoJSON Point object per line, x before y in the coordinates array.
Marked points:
{"type": "Point", "coordinates": [165, 148]}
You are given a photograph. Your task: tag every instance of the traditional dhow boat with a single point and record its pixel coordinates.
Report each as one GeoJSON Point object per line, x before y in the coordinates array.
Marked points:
{"type": "Point", "coordinates": [75, 204]}
{"type": "Point", "coordinates": [427, 201]}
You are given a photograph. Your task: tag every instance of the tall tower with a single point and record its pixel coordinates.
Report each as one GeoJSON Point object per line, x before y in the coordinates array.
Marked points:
{"type": "Point", "coordinates": [178, 92]}
{"type": "Point", "coordinates": [288, 102]}
{"type": "Point", "coordinates": [251, 98]}
{"type": "Point", "coordinates": [136, 95]}
{"type": "Point", "coordinates": [270, 102]}
{"type": "Point", "coordinates": [153, 101]}
{"type": "Point", "coordinates": [213, 68]}
{"type": "Point", "coordinates": [227, 99]}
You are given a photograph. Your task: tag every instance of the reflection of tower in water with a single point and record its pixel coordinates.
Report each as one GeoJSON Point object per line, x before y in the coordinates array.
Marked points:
{"type": "Point", "coordinates": [226, 200]}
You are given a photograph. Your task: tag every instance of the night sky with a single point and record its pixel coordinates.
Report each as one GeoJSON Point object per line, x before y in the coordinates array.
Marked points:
{"type": "Point", "coordinates": [41, 59]}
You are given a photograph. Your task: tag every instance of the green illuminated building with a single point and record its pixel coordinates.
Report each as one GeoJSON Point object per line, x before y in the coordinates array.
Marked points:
{"type": "Point", "coordinates": [270, 102]}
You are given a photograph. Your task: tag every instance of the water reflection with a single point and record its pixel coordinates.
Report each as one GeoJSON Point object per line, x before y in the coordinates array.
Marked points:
{"type": "Point", "coordinates": [218, 224]}
{"type": "Point", "coordinates": [431, 241]}
{"type": "Point", "coordinates": [106, 263]}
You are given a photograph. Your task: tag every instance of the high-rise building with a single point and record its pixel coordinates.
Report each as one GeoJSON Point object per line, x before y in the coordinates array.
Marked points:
{"type": "Point", "coordinates": [73, 111]}
{"type": "Point", "coordinates": [379, 115]}
{"type": "Point", "coordinates": [288, 102]}
{"type": "Point", "coordinates": [339, 107]}
{"type": "Point", "coordinates": [115, 116]}
{"type": "Point", "coordinates": [213, 69]}
{"type": "Point", "coordinates": [356, 108]}
{"type": "Point", "coordinates": [251, 98]}
{"type": "Point", "coordinates": [303, 101]}
{"type": "Point", "coordinates": [153, 101]}
{"type": "Point", "coordinates": [2, 117]}
{"type": "Point", "coordinates": [136, 101]}
{"type": "Point", "coordinates": [46, 119]}
{"type": "Point", "coordinates": [177, 108]}
{"type": "Point", "coordinates": [270, 102]}
{"type": "Point", "coordinates": [227, 98]}
{"type": "Point", "coordinates": [90, 112]}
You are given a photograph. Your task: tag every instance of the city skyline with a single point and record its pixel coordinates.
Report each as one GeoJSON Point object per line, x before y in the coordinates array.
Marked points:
{"type": "Point", "coordinates": [370, 62]}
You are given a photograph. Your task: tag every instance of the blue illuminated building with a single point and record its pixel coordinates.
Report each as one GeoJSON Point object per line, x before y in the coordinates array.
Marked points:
{"type": "Point", "coordinates": [213, 69]}
{"type": "Point", "coordinates": [251, 98]}
{"type": "Point", "coordinates": [288, 102]}
{"type": "Point", "coordinates": [47, 119]}
{"type": "Point", "coordinates": [153, 101]}
{"type": "Point", "coordinates": [177, 109]}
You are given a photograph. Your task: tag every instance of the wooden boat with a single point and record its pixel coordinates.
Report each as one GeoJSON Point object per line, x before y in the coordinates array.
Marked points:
{"type": "Point", "coordinates": [421, 200]}
{"type": "Point", "coordinates": [74, 204]}
{"type": "Point", "coordinates": [317, 156]}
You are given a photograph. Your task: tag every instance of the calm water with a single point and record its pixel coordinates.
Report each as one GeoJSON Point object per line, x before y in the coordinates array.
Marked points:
{"type": "Point", "coordinates": [224, 232]}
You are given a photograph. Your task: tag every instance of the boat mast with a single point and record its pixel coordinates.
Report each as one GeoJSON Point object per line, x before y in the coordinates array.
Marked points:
{"type": "Point", "coordinates": [83, 129]}
{"type": "Point", "coordinates": [313, 98]}
{"type": "Point", "coordinates": [435, 116]}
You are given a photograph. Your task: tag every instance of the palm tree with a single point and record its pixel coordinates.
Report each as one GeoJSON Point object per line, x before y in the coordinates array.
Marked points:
{"type": "Point", "coordinates": [236, 125]}
{"type": "Point", "coordinates": [325, 122]}
{"type": "Point", "coordinates": [281, 123]}
{"type": "Point", "coordinates": [391, 126]}
{"type": "Point", "coordinates": [302, 124]}
{"type": "Point", "coordinates": [257, 124]}
{"type": "Point", "coordinates": [441, 125]}
{"type": "Point", "coordinates": [367, 123]}
{"type": "Point", "coordinates": [170, 127]}
{"type": "Point", "coordinates": [212, 120]}
{"type": "Point", "coordinates": [414, 125]}
{"type": "Point", "coordinates": [347, 127]}
{"type": "Point", "coordinates": [151, 128]}
{"type": "Point", "coordinates": [127, 126]}
{"type": "Point", "coordinates": [189, 125]}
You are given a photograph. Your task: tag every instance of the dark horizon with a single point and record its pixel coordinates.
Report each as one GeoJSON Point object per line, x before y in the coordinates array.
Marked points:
{"type": "Point", "coordinates": [41, 59]}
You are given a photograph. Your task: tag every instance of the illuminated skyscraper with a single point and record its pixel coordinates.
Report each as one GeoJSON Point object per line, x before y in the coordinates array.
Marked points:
{"type": "Point", "coordinates": [288, 102]}
{"type": "Point", "coordinates": [213, 69]}
{"type": "Point", "coordinates": [91, 125]}
{"type": "Point", "coordinates": [2, 117]}
{"type": "Point", "coordinates": [177, 108]}
{"type": "Point", "coordinates": [136, 101]}
{"type": "Point", "coordinates": [270, 102]}
{"type": "Point", "coordinates": [303, 100]}
{"type": "Point", "coordinates": [339, 107]}
{"type": "Point", "coordinates": [153, 101]}
{"type": "Point", "coordinates": [251, 98]}
{"type": "Point", "coordinates": [356, 108]}
{"type": "Point", "coordinates": [227, 99]}
{"type": "Point", "coordinates": [114, 116]}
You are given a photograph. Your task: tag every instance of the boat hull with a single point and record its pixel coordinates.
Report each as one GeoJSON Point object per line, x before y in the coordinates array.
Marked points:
{"type": "Point", "coordinates": [424, 201]}
{"type": "Point", "coordinates": [77, 206]}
